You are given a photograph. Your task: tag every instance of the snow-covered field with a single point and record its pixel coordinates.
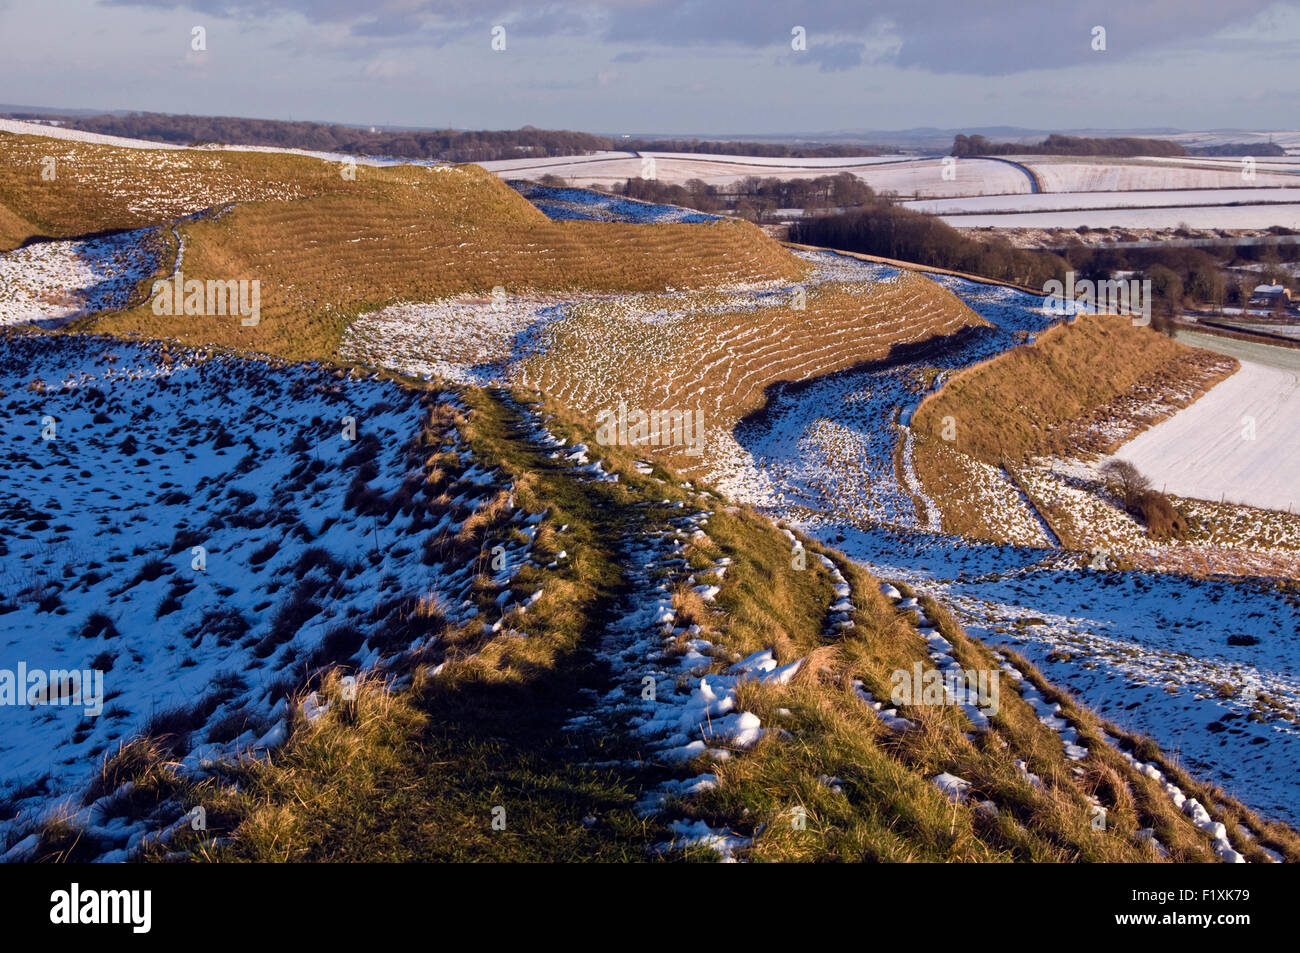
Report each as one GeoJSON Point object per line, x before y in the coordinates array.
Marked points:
{"type": "Point", "coordinates": [1057, 201]}
{"type": "Point", "coordinates": [1066, 174]}
{"type": "Point", "coordinates": [1239, 442]}
{"type": "Point", "coordinates": [49, 283]}
{"type": "Point", "coordinates": [920, 176]}
{"type": "Point", "coordinates": [202, 532]}
{"type": "Point", "coordinates": [1197, 217]}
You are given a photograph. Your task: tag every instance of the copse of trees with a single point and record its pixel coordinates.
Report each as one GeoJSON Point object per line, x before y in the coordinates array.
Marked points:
{"type": "Point", "coordinates": [1058, 145]}
{"type": "Point", "coordinates": [1238, 149]}
{"type": "Point", "coordinates": [1153, 508]}
{"type": "Point", "coordinates": [753, 197]}
{"type": "Point", "coordinates": [1178, 275]}
{"type": "Point", "coordinates": [890, 231]}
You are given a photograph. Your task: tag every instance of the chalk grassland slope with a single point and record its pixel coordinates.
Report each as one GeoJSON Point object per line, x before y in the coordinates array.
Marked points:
{"type": "Point", "coordinates": [1079, 388]}
{"type": "Point", "coordinates": [13, 228]}
{"type": "Point", "coordinates": [706, 354]}
{"type": "Point", "coordinates": [413, 233]}
{"type": "Point", "coordinates": [100, 188]}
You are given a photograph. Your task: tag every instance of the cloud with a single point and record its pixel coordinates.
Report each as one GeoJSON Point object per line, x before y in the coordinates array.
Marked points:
{"type": "Point", "coordinates": [387, 68]}
{"type": "Point", "coordinates": [988, 37]}
{"type": "Point", "coordinates": [833, 57]}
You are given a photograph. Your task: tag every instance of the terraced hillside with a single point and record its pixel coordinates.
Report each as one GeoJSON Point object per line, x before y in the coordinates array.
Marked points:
{"type": "Point", "coordinates": [60, 188]}
{"type": "Point", "coordinates": [400, 601]}
{"type": "Point", "coordinates": [463, 617]}
{"type": "Point", "coordinates": [1010, 451]}
{"type": "Point", "coordinates": [415, 234]}
{"type": "Point", "coordinates": [715, 353]}
{"type": "Point", "coordinates": [1080, 387]}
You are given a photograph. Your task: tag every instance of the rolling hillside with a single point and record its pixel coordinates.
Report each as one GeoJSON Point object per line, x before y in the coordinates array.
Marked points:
{"type": "Point", "coordinates": [364, 582]}
{"type": "Point", "coordinates": [768, 735]}
{"type": "Point", "coordinates": [1066, 392]}
{"type": "Point", "coordinates": [417, 234]}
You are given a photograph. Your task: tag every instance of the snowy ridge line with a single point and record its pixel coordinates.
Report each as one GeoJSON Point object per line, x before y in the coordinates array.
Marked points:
{"type": "Point", "coordinates": [1116, 638]}
{"type": "Point", "coordinates": [27, 128]}
{"type": "Point", "coordinates": [1050, 715]}
{"type": "Point", "coordinates": [1214, 830]}
{"type": "Point", "coordinates": [1053, 717]}
{"type": "Point", "coordinates": [941, 655]}
{"type": "Point", "coordinates": [933, 515]}
{"type": "Point", "coordinates": [664, 691]}
{"type": "Point", "coordinates": [956, 789]}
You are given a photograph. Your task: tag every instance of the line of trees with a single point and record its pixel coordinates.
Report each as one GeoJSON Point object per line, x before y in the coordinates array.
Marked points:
{"type": "Point", "coordinates": [1058, 145]}
{"type": "Point", "coordinates": [449, 145]}
{"type": "Point", "coordinates": [1189, 276]}
{"type": "Point", "coordinates": [1238, 149]}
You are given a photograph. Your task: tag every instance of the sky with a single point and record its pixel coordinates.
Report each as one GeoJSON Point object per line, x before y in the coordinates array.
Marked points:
{"type": "Point", "coordinates": [702, 67]}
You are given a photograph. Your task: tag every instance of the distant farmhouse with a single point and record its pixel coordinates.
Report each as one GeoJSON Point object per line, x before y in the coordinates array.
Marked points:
{"type": "Point", "coordinates": [1273, 297]}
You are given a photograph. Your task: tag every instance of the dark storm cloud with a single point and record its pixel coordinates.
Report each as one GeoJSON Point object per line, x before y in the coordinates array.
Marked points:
{"type": "Point", "coordinates": [988, 37]}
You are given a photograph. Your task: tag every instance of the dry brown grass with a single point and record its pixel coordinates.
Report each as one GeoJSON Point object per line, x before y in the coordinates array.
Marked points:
{"type": "Point", "coordinates": [1048, 398]}
{"type": "Point", "coordinates": [722, 362]}
{"type": "Point", "coordinates": [97, 188]}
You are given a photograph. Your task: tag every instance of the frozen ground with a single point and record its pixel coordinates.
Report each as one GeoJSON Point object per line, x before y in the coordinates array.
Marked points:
{"type": "Point", "coordinates": [204, 533]}
{"type": "Point", "coordinates": [920, 176]}
{"type": "Point", "coordinates": [1199, 217]}
{"type": "Point", "coordinates": [1148, 651]}
{"type": "Point", "coordinates": [49, 283]}
{"type": "Point", "coordinates": [1056, 201]}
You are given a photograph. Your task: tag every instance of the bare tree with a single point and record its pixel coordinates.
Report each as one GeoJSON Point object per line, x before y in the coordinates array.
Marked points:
{"type": "Point", "coordinates": [1125, 481]}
